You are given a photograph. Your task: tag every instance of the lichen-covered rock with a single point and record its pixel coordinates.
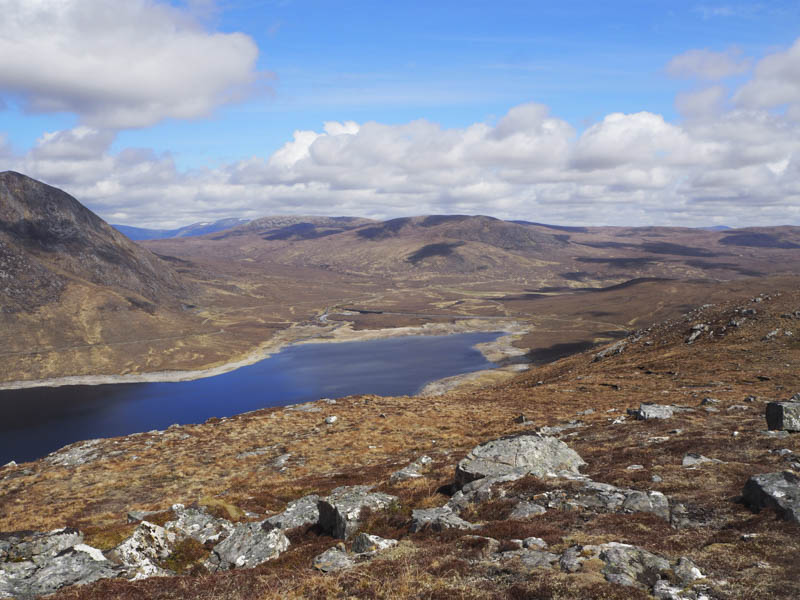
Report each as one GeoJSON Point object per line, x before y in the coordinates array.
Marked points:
{"type": "Point", "coordinates": [198, 524]}
{"type": "Point", "coordinates": [648, 411]}
{"type": "Point", "coordinates": [438, 519]}
{"type": "Point", "coordinates": [365, 542]}
{"type": "Point", "coordinates": [648, 502]}
{"type": "Point", "coordinates": [524, 510]}
{"type": "Point", "coordinates": [249, 544]}
{"type": "Point", "coordinates": [333, 559]}
{"type": "Point", "coordinates": [340, 513]}
{"type": "Point", "coordinates": [75, 454]}
{"type": "Point", "coordinates": [631, 566]}
{"type": "Point", "coordinates": [779, 491]}
{"type": "Point", "coordinates": [522, 455]}
{"type": "Point", "coordinates": [531, 558]}
{"type": "Point", "coordinates": [412, 471]}
{"type": "Point", "coordinates": [299, 513]}
{"type": "Point", "coordinates": [34, 564]}
{"type": "Point", "coordinates": [149, 544]}
{"type": "Point", "coordinates": [783, 416]}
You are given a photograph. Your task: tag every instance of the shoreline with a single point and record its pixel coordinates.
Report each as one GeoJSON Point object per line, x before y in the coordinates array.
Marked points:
{"type": "Point", "coordinates": [500, 352]}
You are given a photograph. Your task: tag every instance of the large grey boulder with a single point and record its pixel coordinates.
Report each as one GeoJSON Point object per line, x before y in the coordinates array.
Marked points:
{"type": "Point", "coordinates": [631, 566]}
{"type": "Point", "coordinates": [649, 411]}
{"type": "Point", "coordinates": [198, 524]}
{"type": "Point", "coordinates": [148, 545]}
{"type": "Point", "coordinates": [531, 558]}
{"type": "Point", "coordinates": [783, 416]}
{"type": "Point", "coordinates": [249, 544]}
{"type": "Point", "coordinates": [779, 491]}
{"type": "Point", "coordinates": [647, 502]}
{"type": "Point", "coordinates": [438, 519]}
{"type": "Point", "coordinates": [299, 513]}
{"type": "Point", "coordinates": [518, 455]}
{"type": "Point", "coordinates": [366, 543]}
{"type": "Point", "coordinates": [333, 559]}
{"type": "Point", "coordinates": [341, 512]}
{"type": "Point", "coordinates": [34, 564]}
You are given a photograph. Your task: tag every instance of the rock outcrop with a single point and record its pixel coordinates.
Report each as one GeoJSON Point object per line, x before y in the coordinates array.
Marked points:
{"type": "Point", "coordinates": [778, 491]}
{"type": "Point", "coordinates": [341, 512]}
{"type": "Point", "coordinates": [519, 455]}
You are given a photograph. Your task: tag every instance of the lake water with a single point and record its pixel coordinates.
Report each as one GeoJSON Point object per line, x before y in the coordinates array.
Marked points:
{"type": "Point", "coordinates": [36, 421]}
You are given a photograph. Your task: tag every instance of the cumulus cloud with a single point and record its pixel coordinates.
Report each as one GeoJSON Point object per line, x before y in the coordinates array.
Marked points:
{"type": "Point", "coordinates": [735, 162]}
{"type": "Point", "coordinates": [707, 64]}
{"type": "Point", "coordinates": [776, 82]}
{"type": "Point", "coordinates": [119, 64]}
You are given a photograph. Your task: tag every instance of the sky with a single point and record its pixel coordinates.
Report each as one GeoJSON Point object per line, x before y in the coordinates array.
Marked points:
{"type": "Point", "coordinates": [161, 114]}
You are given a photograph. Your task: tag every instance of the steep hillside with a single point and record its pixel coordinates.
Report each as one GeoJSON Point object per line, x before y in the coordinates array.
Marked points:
{"type": "Point", "coordinates": [669, 421]}
{"type": "Point", "coordinates": [76, 295]}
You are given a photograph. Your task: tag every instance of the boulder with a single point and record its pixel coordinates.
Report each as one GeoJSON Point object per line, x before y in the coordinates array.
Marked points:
{"type": "Point", "coordinates": [783, 416]}
{"type": "Point", "coordinates": [341, 512]}
{"type": "Point", "coordinates": [531, 558]}
{"type": "Point", "coordinates": [412, 471]}
{"type": "Point", "coordinates": [198, 524]}
{"type": "Point", "coordinates": [365, 542]}
{"type": "Point", "coordinates": [692, 460]}
{"type": "Point", "coordinates": [333, 559]}
{"type": "Point", "coordinates": [34, 564]}
{"type": "Point", "coordinates": [249, 544]}
{"type": "Point", "coordinates": [438, 519]}
{"type": "Point", "coordinates": [299, 513]}
{"type": "Point", "coordinates": [647, 411]}
{"type": "Point", "coordinates": [149, 544]}
{"type": "Point", "coordinates": [631, 566]}
{"type": "Point", "coordinates": [648, 502]}
{"type": "Point", "coordinates": [524, 510]}
{"type": "Point", "coordinates": [518, 455]}
{"type": "Point", "coordinates": [779, 491]}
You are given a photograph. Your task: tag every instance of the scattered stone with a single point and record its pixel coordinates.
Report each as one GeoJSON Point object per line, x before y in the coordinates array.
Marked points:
{"type": "Point", "coordinates": [524, 510]}
{"type": "Point", "coordinates": [750, 398]}
{"type": "Point", "coordinates": [634, 467]}
{"type": "Point", "coordinates": [35, 564]}
{"type": "Point", "coordinates": [365, 542]}
{"type": "Point", "coordinates": [534, 542]}
{"type": "Point", "coordinates": [299, 513]}
{"type": "Point", "coordinates": [631, 566]}
{"type": "Point", "coordinates": [76, 454]}
{"type": "Point", "coordinates": [340, 512]}
{"type": "Point", "coordinates": [333, 559]}
{"type": "Point", "coordinates": [738, 407]}
{"type": "Point", "coordinates": [779, 491]}
{"type": "Point", "coordinates": [523, 454]}
{"type": "Point", "coordinates": [437, 519]}
{"type": "Point", "coordinates": [521, 419]}
{"type": "Point", "coordinates": [331, 419]}
{"type": "Point", "coordinates": [11, 463]}
{"type": "Point", "coordinates": [649, 502]}
{"type": "Point", "coordinates": [772, 334]}
{"type": "Point", "coordinates": [256, 452]}
{"type": "Point", "coordinates": [149, 544]}
{"type": "Point", "coordinates": [709, 401]}
{"type": "Point", "coordinates": [412, 471]}
{"type": "Point", "coordinates": [249, 544]}
{"type": "Point", "coordinates": [649, 411]}
{"type": "Point", "coordinates": [137, 516]}
{"type": "Point", "coordinates": [616, 348]}
{"type": "Point", "coordinates": [530, 558]}
{"type": "Point", "coordinates": [783, 416]}
{"type": "Point", "coordinates": [711, 409]}
{"type": "Point", "coordinates": [692, 460]}
{"type": "Point", "coordinates": [198, 524]}
{"type": "Point", "coordinates": [656, 479]}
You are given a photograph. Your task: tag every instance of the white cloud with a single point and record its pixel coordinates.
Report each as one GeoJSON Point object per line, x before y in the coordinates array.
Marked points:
{"type": "Point", "coordinates": [736, 166]}
{"type": "Point", "coordinates": [119, 64]}
{"type": "Point", "coordinates": [707, 64]}
{"type": "Point", "coordinates": [776, 82]}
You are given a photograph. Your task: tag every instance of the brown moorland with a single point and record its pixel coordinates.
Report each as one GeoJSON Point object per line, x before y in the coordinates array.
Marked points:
{"type": "Point", "coordinates": [742, 554]}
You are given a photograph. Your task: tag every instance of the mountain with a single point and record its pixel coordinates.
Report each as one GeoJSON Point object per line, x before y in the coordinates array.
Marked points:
{"type": "Point", "coordinates": [70, 284]}
{"type": "Point", "coordinates": [139, 233]}
{"type": "Point", "coordinates": [286, 228]}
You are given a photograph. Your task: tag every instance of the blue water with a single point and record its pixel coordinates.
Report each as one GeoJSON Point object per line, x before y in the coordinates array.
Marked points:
{"type": "Point", "coordinates": [34, 422]}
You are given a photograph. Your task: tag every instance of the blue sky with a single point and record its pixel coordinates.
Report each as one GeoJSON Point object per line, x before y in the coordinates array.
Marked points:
{"type": "Point", "coordinates": [296, 65]}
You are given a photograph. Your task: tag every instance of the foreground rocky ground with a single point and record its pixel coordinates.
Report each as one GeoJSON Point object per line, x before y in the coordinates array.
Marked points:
{"type": "Point", "coordinates": [647, 469]}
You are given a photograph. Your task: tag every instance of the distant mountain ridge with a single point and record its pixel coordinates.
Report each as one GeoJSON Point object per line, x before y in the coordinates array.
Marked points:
{"type": "Point", "coordinates": [201, 228]}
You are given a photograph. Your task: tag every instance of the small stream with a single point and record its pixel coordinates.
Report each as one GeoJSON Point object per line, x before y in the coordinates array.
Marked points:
{"type": "Point", "coordinates": [36, 421]}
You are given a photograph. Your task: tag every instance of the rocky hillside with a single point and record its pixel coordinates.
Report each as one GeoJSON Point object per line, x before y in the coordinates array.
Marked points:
{"type": "Point", "coordinates": [70, 283]}
{"type": "Point", "coordinates": [666, 465]}
{"type": "Point", "coordinates": [44, 229]}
